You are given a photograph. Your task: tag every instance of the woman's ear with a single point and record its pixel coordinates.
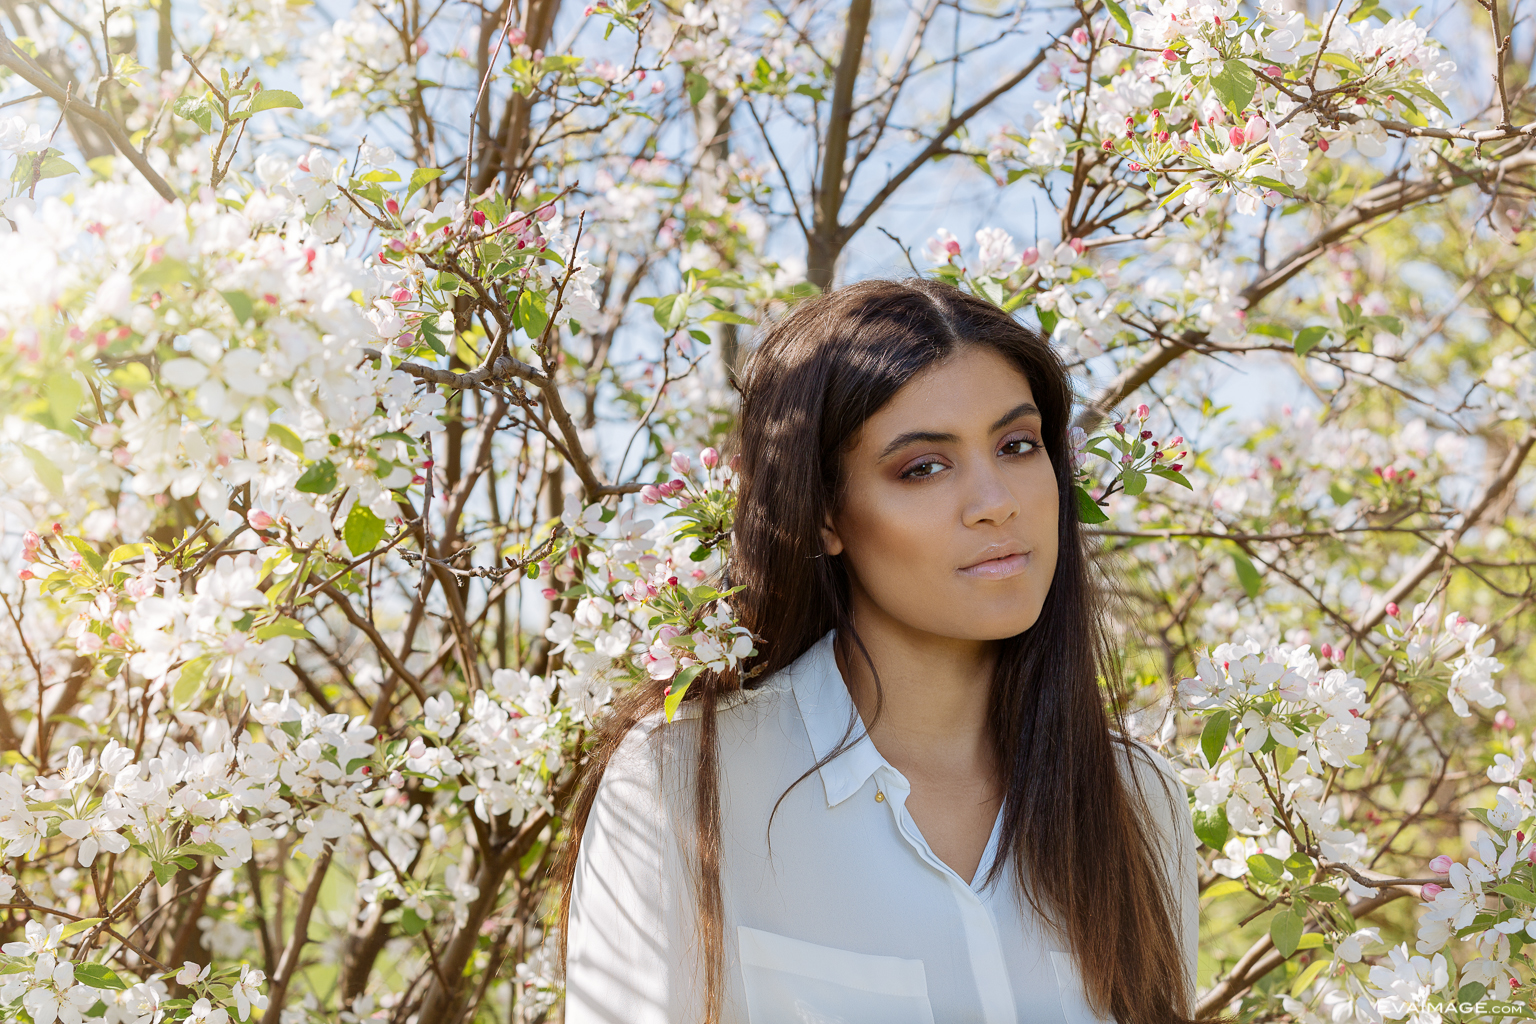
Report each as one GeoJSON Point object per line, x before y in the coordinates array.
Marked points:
{"type": "Point", "coordinates": [831, 543]}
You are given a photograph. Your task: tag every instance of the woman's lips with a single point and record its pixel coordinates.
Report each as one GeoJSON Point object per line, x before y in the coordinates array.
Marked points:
{"type": "Point", "coordinates": [998, 568]}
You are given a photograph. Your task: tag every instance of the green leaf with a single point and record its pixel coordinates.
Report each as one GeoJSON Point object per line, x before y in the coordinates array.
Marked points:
{"type": "Point", "coordinates": [1286, 929]}
{"type": "Point", "coordinates": [202, 850]}
{"type": "Point", "coordinates": [412, 923]}
{"type": "Point", "coordinates": [697, 85]}
{"type": "Point", "coordinates": [283, 626]}
{"type": "Point", "coordinates": [1235, 85]}
{"type": "Point", "coordinates": [76, 927]}
{"type": "Point", "coordinates": [44, 165]}
{"type": "Point", "coordinates": [725, 316]}
{"type": "Point", "coordinates": [382, 174]}
{"type": "Point", "coordinates": [43, 467]}
{"type": "Point", "coordinates": [1225, 887]}
{"type": "Point", "coordinates": [1214, 736]}
{"type": "Point", "coordinates": [240, 304]}
{"type": "Point", "coordinates": [192, 675]}
{"type": "Point", "coordinates": [1265, 868]}
{"type": "Point", "coordinates": [1118, 13]}
{"type": "Point", "coordinates": [164, 872]}
{"type": "Point", "coordinates": [64, 397]}
{"type": "Point", "coordinates": [99, 976]}
{"type": "Point", "coordinates": [286, 437]}
{"type": "Point", "coordinates": [1135, 482]}
{"type": "Point", "coordinates": [269, 99]}
{"type": "Point", "coordinates": [1212, 828]}
{"type": "Point", "coordinates": [1171, 196]}
{"type": "Point", "coordinates": [1088, 510]}
{"type": "Point", "coordinates": [679, 687]}
{"type": "Point", "coordinates": [1247, 575]}
{"type": "Point", "coordinates": [1277, 185]}
{"type": "Point", "coordinates": [1312, 940]}
{"type": "Point", "coordinates": [123, 552]}
{"type": "Point", "coordinates": [1516, 892]}
{"type": "Point", "coordinates": [319, 478]}
{"type": "Point", "coordinates": [362, 531]}
{"type": "Point", "coordinates": [419, 178]}
{"type": "Point", "coordinates": [1308, 975]}
{"type": "Point", "coordinates": [1172, 474]}
{"type": "Point", "coordinates": [198, 111]}
{"type": "Point", "coordinates": [1048, 320]}
{"type": "Point", "coordinates": [1308, 337]}
{"type": "Point", "coordinates": [1338, 60]}
{"type": "Point", "coordinates": [531, 314]}
{"type": "Point", "coordinates": [1271, 330]}
{"type": "Point", "coordinates": [669, 311]}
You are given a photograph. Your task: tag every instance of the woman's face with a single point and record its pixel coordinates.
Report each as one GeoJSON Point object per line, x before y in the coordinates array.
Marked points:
{"type": "Point", "coordinates": [948, 525]}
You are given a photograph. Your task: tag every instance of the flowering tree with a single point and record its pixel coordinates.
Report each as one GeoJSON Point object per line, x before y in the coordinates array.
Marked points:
{"type": "Point", "coordinates": [363, 375]}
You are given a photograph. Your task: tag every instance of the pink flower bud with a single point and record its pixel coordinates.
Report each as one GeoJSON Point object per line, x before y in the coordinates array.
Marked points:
{"type": "Point", "coordinates": [1392, 608]}
{"type": "Point", "coordinates": [650, 494]}
{"type": "Point", "coordinates": [1273, 72]}
{"type": "Point", "coordinates": [401, 295]}
{"type": "Point", "coordinates": [1142, 412]}
{"type": "Point", "coordinates": [1503, 719]}
{"type": "Point", "coordinates": [1171, 56]}
{"type": "Point", "coordinates": [479, 218]}
{"type": "Point", "coordinates": [676, 486]}
{"type": "Point", "coordinates": [1176, 466]}
{"type": "Point", "coordinates": [668, 632]}
{"type": "Point", "coordinates": [31, 541]}
{"type": "Point", "coordinates": [1119, 428]}
{"type": "Point", "coordinates": [392, 206]}
{"type": "Point", "coordinates": [260, 520]}
{"type": "Point", "coordinates": [1030, 256]}
{"type": "Point", "coordinates": [117, 640]}
{"type": "Point", "coordinates": [550, 593]}
{"type": "Point", "coordinates": [75, 560]}
{"type": "Point", "coordinates": [1235, 136]}
{"type": "Point", "coordinates": [1429, 890]}
{"type": "Point", "coordinates": [1441, 865]}
{"type": "Point", "coordinates": [545, 212]}
{"type": "Point", "coordinates": [681, 463]}
{"type": "Point", "coordinates": [58, 530]}
{"type": "Point", "coordinates": [517, 36]}
{"type": "Point", "coordinates": [710, 457]}
{"type": "Point", "coordinates": [1255, 129]}
{"type": "Point", "coordinates": [1079, 35]}
{"type": "Point", "coordinates": [406, 340]}
{"type": "Point", "coordinates": [1078, 245]}
{"type": "Point", "coordinates": [1326, 651]}
{"type": "Point", "coordinates": [952, 247]}
{"type": "Point", "coordinates": [26, 574]}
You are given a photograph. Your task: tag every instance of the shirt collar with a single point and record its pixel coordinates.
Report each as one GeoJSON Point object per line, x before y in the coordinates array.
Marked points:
{"type": "Point", "coordinates": [825, 707]}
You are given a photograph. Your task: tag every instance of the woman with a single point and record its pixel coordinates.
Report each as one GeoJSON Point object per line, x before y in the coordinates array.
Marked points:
{"type": "Point", "coordinates": [913, 809]}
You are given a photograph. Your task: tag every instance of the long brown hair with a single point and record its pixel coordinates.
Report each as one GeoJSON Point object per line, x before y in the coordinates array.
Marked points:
{"type": "Point", "coordinates": [1068, 817]}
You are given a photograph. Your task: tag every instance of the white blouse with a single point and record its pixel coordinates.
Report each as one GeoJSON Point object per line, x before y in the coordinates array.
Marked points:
{"type": "Point", "coordinates": [844, 913]}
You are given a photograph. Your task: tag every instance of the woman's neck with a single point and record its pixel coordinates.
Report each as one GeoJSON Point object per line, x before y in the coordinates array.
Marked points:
{"type": "Point", "coordinates": [933, 696]}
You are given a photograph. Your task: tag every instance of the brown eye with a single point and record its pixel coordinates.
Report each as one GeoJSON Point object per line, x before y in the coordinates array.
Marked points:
{"type": "Point", "coordinates": [1011, 447]}
{"type": "Point", "coordinates": [921, 469]}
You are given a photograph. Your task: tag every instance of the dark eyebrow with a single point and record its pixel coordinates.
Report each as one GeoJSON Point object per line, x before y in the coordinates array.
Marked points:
{"type": "Point", "coordinates": [1022, 409]}
{"type": "Point", "coordinates": [934, 437]}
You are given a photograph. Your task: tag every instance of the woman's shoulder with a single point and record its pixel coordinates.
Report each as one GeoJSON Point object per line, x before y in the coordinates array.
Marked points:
{"type": "Point", "coordinates": [663, 752]}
